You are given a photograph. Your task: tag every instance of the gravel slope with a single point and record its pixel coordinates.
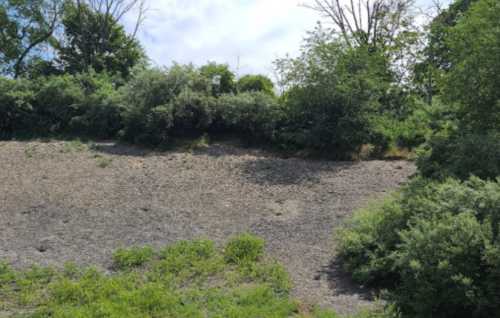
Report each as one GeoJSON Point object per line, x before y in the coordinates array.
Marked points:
{"type": "Point", "coordinates": [59, 204]}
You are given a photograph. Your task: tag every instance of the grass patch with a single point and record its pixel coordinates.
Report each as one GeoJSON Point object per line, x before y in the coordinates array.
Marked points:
{"type": "Point", "coordinates": [186, 279]}
{"type": "Point", "coordinates": [73, 146]}
{"type": "Point", "coordinates": [103, 162]}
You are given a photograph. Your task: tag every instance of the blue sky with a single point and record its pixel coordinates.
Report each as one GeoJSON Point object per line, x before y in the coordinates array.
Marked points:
{"type": "Point", "coordinates": [253, 32]}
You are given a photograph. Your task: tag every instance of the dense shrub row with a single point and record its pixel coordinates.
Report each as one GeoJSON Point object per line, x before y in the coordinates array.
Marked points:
{"type": "Point", "coordinates": [156, 106]}
{"type": "Point", "coordinates": [435, 244]}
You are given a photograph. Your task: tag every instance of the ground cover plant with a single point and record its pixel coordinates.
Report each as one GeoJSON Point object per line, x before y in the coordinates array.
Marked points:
{"type": "Point", "coordinates": [186, 279]}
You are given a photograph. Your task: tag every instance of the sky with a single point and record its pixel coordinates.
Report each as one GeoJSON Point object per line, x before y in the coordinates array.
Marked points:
{"type": "Point", "coordinates": [246, 34]}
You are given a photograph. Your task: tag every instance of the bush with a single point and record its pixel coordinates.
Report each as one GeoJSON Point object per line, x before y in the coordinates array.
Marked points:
{"type": "Point", "coordinates": [251, 115]}
{"type": "Point", "coordinates": [159, 100]}
{"type": "Point", "coordinates": [192, 113]}
{"type": "Point", "coordinates": [16, 107]}
{"type": "Point", "coordinates": [255, 83]}
{"type": "Point", "coordinates": [245, 248]}
{"type": "Point", "coordinates": [433, 245]}
{"type": "Point", "coordinates": [334, 91]}
{"type": "Point", "coordinates": [99, 114]}
{"type": "Point", "coordinates": [133, 257]}
{"type": "Point", "coordinates": [461, 155]}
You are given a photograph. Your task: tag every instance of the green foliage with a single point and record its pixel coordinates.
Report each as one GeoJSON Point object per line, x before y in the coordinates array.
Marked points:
{"type": "Point", "coordinates": [472, 81]}
{"type": "Point", "coordinates": [251, 115]}
{"type": "Point", "coordinates": [192, 113]}
{"type": "Point", "coordinates": [255, 83]}
{"type": "Point", "coordinates": [132, 257]}
{"type": "Point", "coordinates": [25, 26]}
{"type": "Point", "coordinates": [161, 104]}
{"type": "Point", "coordinates": [220, 76]}
{"type": "Point", "coordinates": [16, 109]}
{"type": "Point", "coordinates": [433, 245]}
{"type": "Point", "coordinates": [333, 92]}
{"type": "Point", "coordinates": [94, 40]}
{"type": "Point", "coordinates": [461, 155]}
{"type": "Point", "coordinates": [186, 279]}
{"type": "Point", "coordinates": [244, 248]}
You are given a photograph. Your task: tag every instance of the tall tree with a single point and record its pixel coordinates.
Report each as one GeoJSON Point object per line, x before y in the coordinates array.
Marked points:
{"type": "Point", "coordinates": [94, 38]}
{"type": "Point", "coordinates": [25, 25]}
{"type": "Point", "coordinates": [374, 23]}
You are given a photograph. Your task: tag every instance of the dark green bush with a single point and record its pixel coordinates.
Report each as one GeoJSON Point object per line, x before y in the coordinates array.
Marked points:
{"type": "Point", "coordinates": [334, 92]}
{"type": "Point", "coordinates": [435, 245]}
{"type": "Point", "coordinates": [16, 107]}
{"type": "Point", "coordinates": [99, 114]}
{"type": "Point", "coordinates": [192, 113]}
{"type": "Point", "coordinates": [461, 155]}
{"type": "Point", "coordinates": [159, 101]}
{"type": "Point", "coordinates": [251, 115]}
{"type": "Point", "coordinates": [255, 83]}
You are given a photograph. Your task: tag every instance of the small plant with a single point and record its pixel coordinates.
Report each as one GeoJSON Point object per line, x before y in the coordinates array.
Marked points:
{"type": "Point", "coordinates": [30, 151]}
{"type": "Point", "coordinates": [73, 146]}
{"type": "Point", "coordinates": [189, 279]}
{"type": "Point", "coordinates": [133, 257]}
{"type": "Point", "coordinates": [245, 248]}
{"type": "Point", "coordinates": [103, 162]}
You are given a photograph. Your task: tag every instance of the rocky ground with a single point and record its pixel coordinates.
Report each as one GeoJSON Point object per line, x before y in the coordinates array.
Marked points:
{"type": "Point", "coordinates": [62, 202]}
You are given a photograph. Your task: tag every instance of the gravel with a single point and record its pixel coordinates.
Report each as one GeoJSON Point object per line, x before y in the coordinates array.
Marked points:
{"type": "Point", "coordinates": [59, 203]}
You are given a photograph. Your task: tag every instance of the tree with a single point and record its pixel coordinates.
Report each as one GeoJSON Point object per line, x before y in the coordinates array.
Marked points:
{"type": "Point", "coordinates": [94, 38]}
{"type": "Point", "coordinates": [221, 77]}
{"type": "Point", "coordinates": [255, 83]}
{"type": "Point", "coordinates": [436, 53]}
{"type": "Point", "coordinates": [332, 91]}
{"type": "Point", "coordinates": [24, 27]}
{"type": "Point", "coordinates": [372, 23]}
{"type": "Point", "coordinates": [474, 72]}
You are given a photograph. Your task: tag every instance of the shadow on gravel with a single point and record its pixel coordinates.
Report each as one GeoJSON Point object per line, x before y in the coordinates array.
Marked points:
{"type": "Point", "coordinates": [342, 283]}
{"type": "Point", "coordinates": [119, 149]}
{"type": "Point", "coordinates": [276, 171]}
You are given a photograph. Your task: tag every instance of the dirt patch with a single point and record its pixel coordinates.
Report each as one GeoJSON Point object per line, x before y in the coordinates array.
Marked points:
{"type": "Point", "coordinates": [60, 203]}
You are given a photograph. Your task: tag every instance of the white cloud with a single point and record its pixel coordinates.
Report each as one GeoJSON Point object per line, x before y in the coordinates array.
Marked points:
{"type": "Point", "coordinates": [255, 31]}
{"type": "Point", "coordinates": [197, 31]}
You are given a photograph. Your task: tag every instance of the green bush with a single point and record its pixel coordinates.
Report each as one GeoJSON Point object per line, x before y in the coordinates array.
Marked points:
{"type": "Point", "coordinates": [99, 114]}
{"type": "Point", "coordinates": [334, 91]}
{"type": "Point", "coordinates": [251, 115]}
{"type": "Point", "coordinates": [132, 257]}
{"type": "Point", "coordinates": [255, 83]}
{"type": "Point", "coordinates": [16, 107]}
{"type": "Point", "coordinates": [157, 101]}
{"type": "Point", "coordinates": [434, 245]}
{"type": "Point", "coordinates": [245, 248]}
{"type": "Point", "coordinates": [461, 155]}
{"type": "Point", "coordinates": [192, 113]}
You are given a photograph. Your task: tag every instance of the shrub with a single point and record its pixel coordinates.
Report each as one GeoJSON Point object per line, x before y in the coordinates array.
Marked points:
{"type": "Point", "coordinates": [132, 257]}
{"type": "Point", "coordinates": [158, 100]}
{"type": "Point", "coordinates": [245, 248]}
{"type": "Point", "coordinates": [16, 107]}
{"type": "Point", "coordinates": [57, 101]}
{"type": "Point", "coordinates": [461, 155]}
{"type": "Point", "coordinates": [255, 83]}
{"type": "Point", "coordinates": [99, 114]}
{"type": "Point", "coordinates": [192, 113]}
{"type": "Point", "coordinates": [251, 115]}
{"type": "Point", "coordinates": [333, 92]}
{"type": "Point", "coordinates": [433, 245]}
